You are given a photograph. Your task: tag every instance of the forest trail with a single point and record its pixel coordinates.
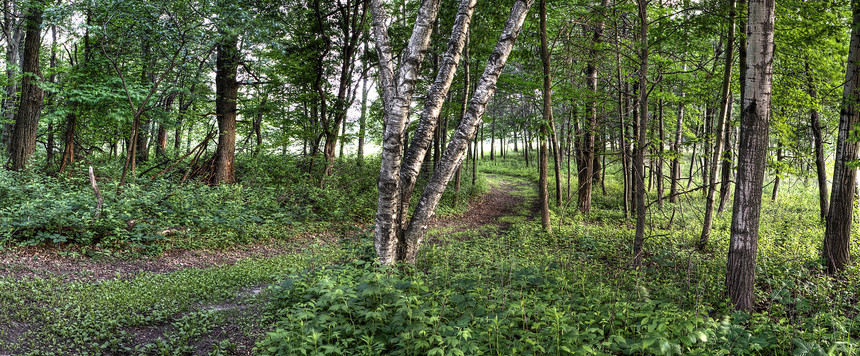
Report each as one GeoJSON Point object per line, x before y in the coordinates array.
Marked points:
{"type": "Point", "coordinates": [508, 200]}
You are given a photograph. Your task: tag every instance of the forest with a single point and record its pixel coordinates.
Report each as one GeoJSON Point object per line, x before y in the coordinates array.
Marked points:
{"type": "Point", "coordinates": [433, 177]}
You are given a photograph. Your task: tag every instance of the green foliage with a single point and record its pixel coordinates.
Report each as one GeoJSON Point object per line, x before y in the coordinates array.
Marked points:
{"type": "Point", "coordinates": [525, 292]}
{"type": "Point", "coordinates": [110, 316]}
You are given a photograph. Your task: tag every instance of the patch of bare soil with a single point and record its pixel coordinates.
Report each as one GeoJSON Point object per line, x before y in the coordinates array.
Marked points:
{"type": "Point", "coordinates": [501, 200]}
{"type": "Point", "coordinates": [47, 262]}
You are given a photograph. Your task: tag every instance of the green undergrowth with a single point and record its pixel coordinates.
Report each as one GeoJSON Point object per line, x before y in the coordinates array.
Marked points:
{"type": "Point", "coordinates": [160, 314]}
{"type": "Point", "coordinates": [522, 291]}
{"type": "Point", "coordinates": [276, 198]}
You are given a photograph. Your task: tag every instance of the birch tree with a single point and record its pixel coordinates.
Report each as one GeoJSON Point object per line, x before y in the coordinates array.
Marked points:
{"type": "Point", "coordinates": [752, 152]}
{"type": "Point", "coordinates": [396, 238]}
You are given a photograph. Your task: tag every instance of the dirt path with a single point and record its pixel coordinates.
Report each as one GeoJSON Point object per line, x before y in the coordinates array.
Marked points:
{"type": "Point", "coordinates": [505, 198]}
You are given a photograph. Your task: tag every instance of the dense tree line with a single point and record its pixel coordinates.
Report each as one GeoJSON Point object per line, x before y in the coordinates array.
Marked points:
{"type": "Point", "coordinates": [686, 97]}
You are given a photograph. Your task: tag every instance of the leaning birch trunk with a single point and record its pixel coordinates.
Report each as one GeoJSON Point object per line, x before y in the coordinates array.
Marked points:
{"type": "Point", "coordinates": [429, 120]}
{"type": "Point", "coordinates": [726, 98]}
{"type": "Point", "coordinates": [453, 154]}
{"type": "Point", "coordinates": [838, 232]}
{"type": "Point", "coordinates": [396, 97]}
{"type": "Point", "coordinates": [752, 151]}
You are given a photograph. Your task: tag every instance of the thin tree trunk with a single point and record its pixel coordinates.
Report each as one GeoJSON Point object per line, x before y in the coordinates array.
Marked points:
{"type": "Point", "coordinates": [726, 100]}
{"type": "Point", "coordinates": [752, 151]}
{"type": "Point", "coordinates": [837, 235]}
{"type": "Point", "coordinates": [543, 194]}
{"type": "Point", "coordinates": [13, 31]}
{"type": "Point", "coordinates": [676, 147]}
{"type": "Point", "coordinates": [362, 124]}
{"type": "Point", "coordinates": [818, 140]}
{"type": "Point", "coordinates": [639, 157]}
{"type": "Point", "coordinates": [726, 167]}
{"type": "Point", "coordinates": [777, 179]}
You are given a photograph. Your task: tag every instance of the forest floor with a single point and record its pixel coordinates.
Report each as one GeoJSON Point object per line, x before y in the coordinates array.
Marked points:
{"type": "Point", "coordinates": [234, 319]}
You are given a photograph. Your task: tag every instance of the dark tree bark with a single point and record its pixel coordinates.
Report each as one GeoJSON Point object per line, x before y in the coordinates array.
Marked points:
{"type": "Point", "coordinates": [837, 235]}
{"type": "Point", "coordinates": [752, 152]}
{"type": "Point", "coordinates": [23, 141]}
{"type": "Point", "coordinates": [14, 35]}
{"type": "Point", "coordinates": [543, 194]}
{"type": "Point", "coordinates": [726, 100]}
{"type": "Point", "coordinates": [639, 157]}
{"type": "Point", "coordinates": [676, 147]}
{"type": "Point", "coordinates": [818, 140]}
{"type": "Point", "coordinates": [226, 93]}
{"type": "Point", "coordinates": [586, 157]}
{"type": "Point", "coordinates": [776, 179]}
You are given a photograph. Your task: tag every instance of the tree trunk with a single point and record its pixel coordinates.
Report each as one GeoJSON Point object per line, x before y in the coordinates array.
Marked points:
{"type": "Point", "coordinates": [543, 194]}
{"type": "Point", "coordinates": [493, 139]}
{"type": "Point", "coordinates": [362, 124]}
{"type": "Point", "coordinates": [585, 166]}
{"type": "Point", "coordinates": [676, 147]}
{"type": "Point", "coordinates": [837, 235]}
{"type": "Point", "coordinates": [661, 147]}
{"type": "Point", "coordinates": [726, 100]}
{"type": "Point", "coordinates": [726, 167]}
{"type": "Point", "coordinates": [13, 29]}
{"type": "Point", "coordinates": [818, 139]}
{"type": "Point", "coordinates": [397, 98]}
{"type": "Point", "coordinates": [23, 141]}
{"type": "Point", "coordinates": [776, 179]}
{"type": "Point", "coordinates": [639, 157]}
{"type": "Point", "coordinates": [69, 141]}
{"type": "Point", "coordinates": [752, 151]}
{"type": "Point", "coordinates": [397, 92]}
{"type": "Point", "coordinates": [226, 93]}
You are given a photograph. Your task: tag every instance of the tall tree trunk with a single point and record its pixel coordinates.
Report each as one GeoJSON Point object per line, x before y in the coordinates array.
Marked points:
{"type": "Point", "coordinates": [397, 92]}
{"type": "Point", "coordinates": [23, 143]}
{"type": "Point", "coordinates": [362, 124]}
{"type": "Point", "coordinates": [585, 162]}
{"type": "Point", "coordinates": [397, 98]}
{"type": "Point", "coordinates": [837, 235]}
{"type": "Point", "coordinates": [639, 157]}
{"type": "Point", "coordinates": [676, 147]}
{"type": "Point", "coordinates": [51, 96]}
{"type": "Point", "coordinates": [818, 139]}
{"type": "Point", "coordinates": [226, 93]}
{"type": "Point", "coordinates": [752, 151]}
{"type": "Point", "coordinates": [726, 100]}
{"type": "Point", "coordinates": [13, 32]}
{"type": "Point", "coordinates": [147, 78]}
{"type": "Point", "coordinates": [543, 194]}
{"type": "Point", "coordinates": [661, 147]}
